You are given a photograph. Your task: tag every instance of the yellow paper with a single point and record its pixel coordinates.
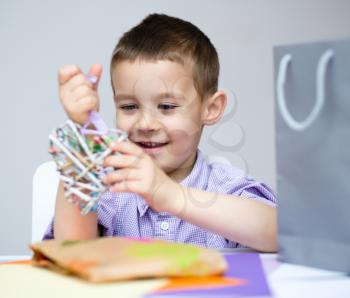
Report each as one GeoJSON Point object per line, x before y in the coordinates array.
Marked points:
{"type": "Point", "coordinates": [26, 281]}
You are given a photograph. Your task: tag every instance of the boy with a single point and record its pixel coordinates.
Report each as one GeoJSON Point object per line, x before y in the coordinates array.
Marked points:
{"type": "Point", "coordinates": [164, 75]}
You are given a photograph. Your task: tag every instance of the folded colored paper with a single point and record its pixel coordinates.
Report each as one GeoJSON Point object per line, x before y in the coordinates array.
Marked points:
{"type": "Point", "coordinates": [118, 258]}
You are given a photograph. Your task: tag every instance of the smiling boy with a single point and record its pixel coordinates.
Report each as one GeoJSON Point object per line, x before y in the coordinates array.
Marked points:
{"type": "Point", "coordinates": [164, 75]}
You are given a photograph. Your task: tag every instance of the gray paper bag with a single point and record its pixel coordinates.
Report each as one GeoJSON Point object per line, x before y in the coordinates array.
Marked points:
{"type": "Point", "coordinates": [312, 117]}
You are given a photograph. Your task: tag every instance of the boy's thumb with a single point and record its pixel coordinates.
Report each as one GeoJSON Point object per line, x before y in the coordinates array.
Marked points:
{"type": "Point", "coordinates": [94, 74]}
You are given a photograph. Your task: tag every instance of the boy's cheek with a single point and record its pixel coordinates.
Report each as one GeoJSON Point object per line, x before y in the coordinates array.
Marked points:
{"type": "Point", "coordinates": [124, 123]}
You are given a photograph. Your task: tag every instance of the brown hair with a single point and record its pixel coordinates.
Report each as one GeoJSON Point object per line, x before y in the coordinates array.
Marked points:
{"type": "Point", "coordinates": [161, 37]}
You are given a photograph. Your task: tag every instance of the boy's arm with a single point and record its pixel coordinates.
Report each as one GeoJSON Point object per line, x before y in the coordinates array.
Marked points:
{"type": "Point", "coordinates": [78, 96]}
{"type": "Point", "coordinates": [69, 223]}
{"type": "Point", "coordinates": [239, 219]}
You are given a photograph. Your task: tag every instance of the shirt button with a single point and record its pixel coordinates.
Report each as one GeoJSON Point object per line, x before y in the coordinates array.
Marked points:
{"type": "Point", "coordinates": [164, 225]}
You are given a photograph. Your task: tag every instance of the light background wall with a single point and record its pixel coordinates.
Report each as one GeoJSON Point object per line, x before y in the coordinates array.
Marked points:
{"type": "Point", "coordinates": [37, 37]}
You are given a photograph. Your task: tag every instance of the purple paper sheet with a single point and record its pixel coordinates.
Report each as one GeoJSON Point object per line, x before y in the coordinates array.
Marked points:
{"type": "Point", "coordinates": [245, 266]}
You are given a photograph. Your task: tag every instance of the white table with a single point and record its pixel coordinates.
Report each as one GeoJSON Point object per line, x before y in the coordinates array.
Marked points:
{"type": "Point", "coordinates": [287, 280]}
{"type": "Point", "coordinates": [291, 281]}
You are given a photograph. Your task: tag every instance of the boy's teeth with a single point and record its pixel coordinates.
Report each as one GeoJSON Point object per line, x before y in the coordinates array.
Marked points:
{"type": "Point", "coordinates": [150, 144]}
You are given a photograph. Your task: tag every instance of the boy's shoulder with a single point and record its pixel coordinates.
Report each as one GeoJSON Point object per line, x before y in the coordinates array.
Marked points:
{"type": "Point", "coordinates": [223, 177]}
{"type": "Point", "coordinates": [221, 168]}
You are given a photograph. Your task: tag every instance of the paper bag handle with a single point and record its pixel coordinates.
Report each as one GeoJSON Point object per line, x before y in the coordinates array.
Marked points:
{"type": "Point", "coordinates": [320, 91]}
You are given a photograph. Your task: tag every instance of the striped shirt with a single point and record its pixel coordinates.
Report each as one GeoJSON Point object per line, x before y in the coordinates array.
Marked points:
{"type": "Point", "coordinates": [128, 215]}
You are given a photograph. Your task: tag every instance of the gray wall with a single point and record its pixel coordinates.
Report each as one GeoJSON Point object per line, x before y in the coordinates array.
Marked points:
{"type": "Point", "coordinates": [39, 36]}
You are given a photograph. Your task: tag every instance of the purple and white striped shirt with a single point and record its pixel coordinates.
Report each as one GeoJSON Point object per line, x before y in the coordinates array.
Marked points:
{"type": "Point", "coordinates": [128, 215]}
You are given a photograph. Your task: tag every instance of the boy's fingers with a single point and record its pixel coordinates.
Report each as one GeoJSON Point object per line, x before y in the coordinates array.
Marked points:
{"type": "Point", "coordinates": [124, 186]}
{"type": "Point", "coordinates": [122, 161]}
{"type": "Point", "coordinates": [66, 72]}
{"type": "Point", "coordinates": [76, 82]}
{"type": "Point", "coordinates": [119, 175]}
{"type": "Point", "coordinates": [82, 90]}
{"type": "Point", "coordinates": [84, 105]}
{"type": "Point", "coordinates": [95, 71]}
{"type": "Point", "coordinates": [127, 147]}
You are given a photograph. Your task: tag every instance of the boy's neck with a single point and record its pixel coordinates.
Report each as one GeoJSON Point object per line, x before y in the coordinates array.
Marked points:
{"type": "Point", "coordinates": [184, 170]}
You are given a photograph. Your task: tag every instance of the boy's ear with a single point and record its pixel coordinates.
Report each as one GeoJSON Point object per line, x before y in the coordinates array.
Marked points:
{"type": "Point", "coordinates": [214, 108]}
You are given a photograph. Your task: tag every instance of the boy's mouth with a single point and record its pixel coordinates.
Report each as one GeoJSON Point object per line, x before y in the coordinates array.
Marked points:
{"type": "Point", "coordinates": [151, 145]}
{"type": "Point", "coordinates": [152, 148]}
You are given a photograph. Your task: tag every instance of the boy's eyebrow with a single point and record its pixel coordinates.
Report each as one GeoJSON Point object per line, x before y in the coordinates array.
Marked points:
{"type": "Point", "coordinates": [162, 95]}
{"type": "Point", "coordinates": [124, 96]}
{"type": "Point", "coordinates": [169, 95]}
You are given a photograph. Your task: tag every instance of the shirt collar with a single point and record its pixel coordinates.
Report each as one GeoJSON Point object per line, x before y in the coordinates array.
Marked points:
{"type": "Point", "coordinates": [197, 178]}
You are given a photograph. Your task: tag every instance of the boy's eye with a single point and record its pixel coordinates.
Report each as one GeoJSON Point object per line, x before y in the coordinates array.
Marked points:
{"type": "Point", "coordinates": [166, 106]}
{"type": "Point", "coordinates": [128, 107]}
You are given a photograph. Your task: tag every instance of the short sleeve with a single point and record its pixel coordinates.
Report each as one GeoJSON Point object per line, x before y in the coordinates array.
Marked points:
{"type": "Point", "coordinates": [251, 189]}
{"type": "Point", "coordinates": [49, 233]}
{"type": "Point", "coordinates": [228, 179]}
{"type": "Point", "coordinates": [107, 208]}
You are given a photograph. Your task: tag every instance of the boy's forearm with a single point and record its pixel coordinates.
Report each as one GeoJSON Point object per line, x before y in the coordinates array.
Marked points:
{"type": "Point", "coordinates": [69, 223]}
{"type": "Point", "coordinates": [239, 219]}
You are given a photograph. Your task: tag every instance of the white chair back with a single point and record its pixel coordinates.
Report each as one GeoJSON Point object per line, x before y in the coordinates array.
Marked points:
{"type": "Point", "coordinates": [45, 184]}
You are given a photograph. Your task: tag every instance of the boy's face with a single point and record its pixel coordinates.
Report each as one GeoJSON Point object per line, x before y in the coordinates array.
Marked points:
{"type": "Point", "coordinates": [159, 107]}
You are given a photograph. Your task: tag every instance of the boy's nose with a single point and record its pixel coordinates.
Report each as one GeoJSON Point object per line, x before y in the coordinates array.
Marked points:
{"type": "Point", "coordinates": [147, 121]}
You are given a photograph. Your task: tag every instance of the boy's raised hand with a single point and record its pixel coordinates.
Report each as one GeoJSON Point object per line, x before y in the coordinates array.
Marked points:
{"type": "Point", "coordinates": [77, 94]}
{"type": "Point", "coordinates": [137, 172]}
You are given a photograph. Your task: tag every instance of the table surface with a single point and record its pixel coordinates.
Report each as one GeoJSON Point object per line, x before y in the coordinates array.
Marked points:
{"type": "Point", "coordinates": [287, 280]}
